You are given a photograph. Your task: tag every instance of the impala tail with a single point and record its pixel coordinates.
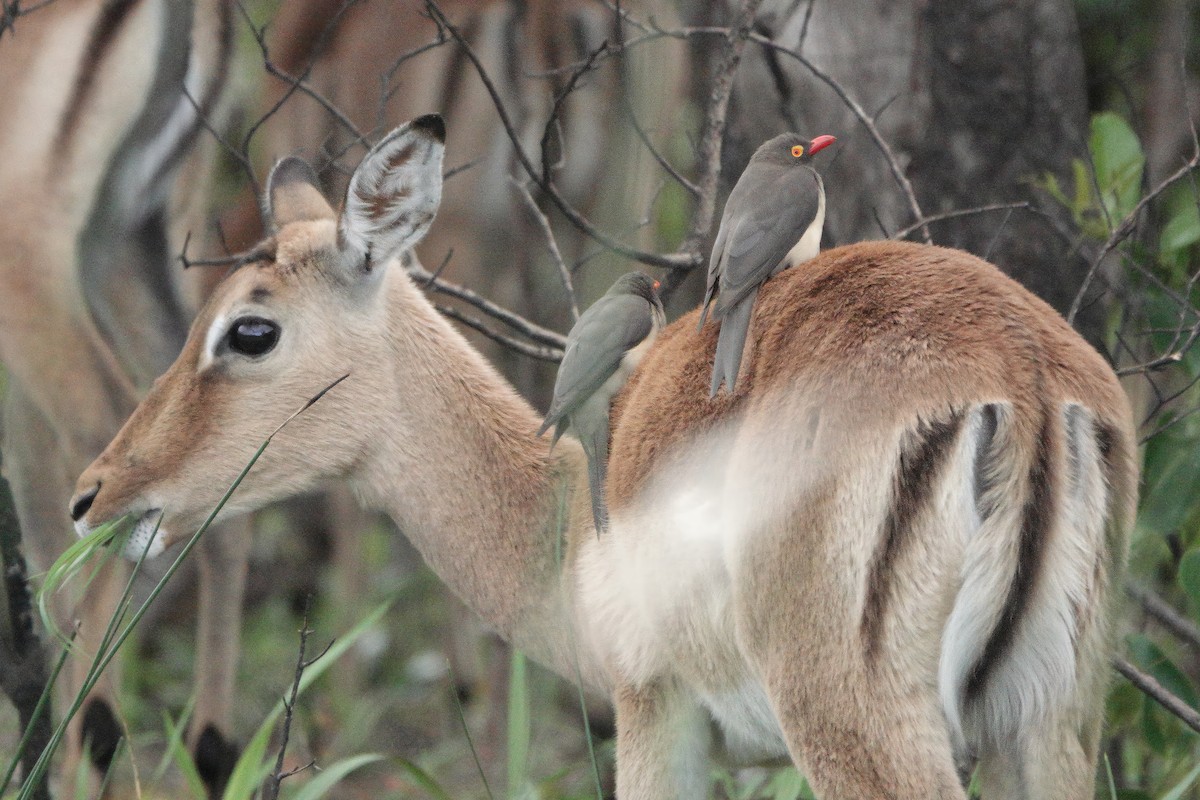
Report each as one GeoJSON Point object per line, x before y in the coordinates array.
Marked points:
{"type": "Point", "coordinates": [1039, 561]}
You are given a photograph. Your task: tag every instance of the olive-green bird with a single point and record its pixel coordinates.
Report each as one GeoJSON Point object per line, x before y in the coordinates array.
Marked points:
{"type": "Point", "coordinates": [603, 348]}
{"type": "Point", "coordinates": [772, 221]}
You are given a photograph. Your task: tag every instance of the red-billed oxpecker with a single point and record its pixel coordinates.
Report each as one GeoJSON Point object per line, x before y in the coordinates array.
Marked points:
{"type": "Point", "coordinates": [603, 348]}
{"type": "Point", "coordinates": [772, 221]}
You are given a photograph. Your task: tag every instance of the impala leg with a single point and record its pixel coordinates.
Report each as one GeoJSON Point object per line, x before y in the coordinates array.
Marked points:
{"type": "Point", "coordinates": [663, 743]}
{"type": "Point", "coordinates": [872, 742]}
{"type": "Point", "coordinates": [1054, 759]}
{"type": "Point", "coordinates": [860, 727]}
{"type": "Point", "coordinates": [224, 556]}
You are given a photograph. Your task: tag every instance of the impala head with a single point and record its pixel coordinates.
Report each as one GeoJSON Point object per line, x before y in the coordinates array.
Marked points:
{"type": "Point", "coordinates": [304, 310]}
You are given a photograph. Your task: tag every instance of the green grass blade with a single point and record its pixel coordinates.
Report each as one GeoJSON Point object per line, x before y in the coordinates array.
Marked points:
{"type": "Point", "coordinates": [1182, 787]}
{"type": "Point", "coordinates": [106, 655]}
{"type": "Point", "coordinates": [424, 780]}
{"type": "Point", "coordinates": [178, 754]}
{"type": "Point", "coordinates": [1112, 783]}
{"type": "Point", "coordinates": [519, 725]}
{"type": "Point", "coordinates": [462, 718]}
{"type": "Point", "coordinates": [252, 766]}
{"type": "Point", "coordinates": [174, 731]}
{"type": "Point", "coordinates": [331, 775]}
{"type": "Point", "coordinates": [66, 567]}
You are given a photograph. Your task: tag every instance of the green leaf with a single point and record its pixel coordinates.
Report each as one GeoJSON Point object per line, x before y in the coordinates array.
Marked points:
{"type": "Point", "coordinates": [1189, 575]}
{"type": "Point", "coordinates": [1152, 731]}
{"type": "Point", "coordinates": [1118, 159]}
{"type": "Point", "coordinates": [1182, 229]}
{"type": "Point", "coordinates": [1172, 480]}
{"type": "Point", "coordinates": [786, 784]}
{"type": "Point", "coordinates": [331, 775]}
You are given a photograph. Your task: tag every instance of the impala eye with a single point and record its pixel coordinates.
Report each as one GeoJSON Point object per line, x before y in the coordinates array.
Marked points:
{"type": "Point", "coordinates": [252, 336]}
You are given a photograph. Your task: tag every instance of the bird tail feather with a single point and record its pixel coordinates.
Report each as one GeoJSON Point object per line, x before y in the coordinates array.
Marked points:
{"type": "Point", "coordinates": [595, 447]}
{"type": "Point", "coordinates": [731, 341]}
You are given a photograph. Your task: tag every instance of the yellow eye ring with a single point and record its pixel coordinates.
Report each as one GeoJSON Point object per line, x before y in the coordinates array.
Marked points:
{"type": "Point", "coordinates": [798, 151]}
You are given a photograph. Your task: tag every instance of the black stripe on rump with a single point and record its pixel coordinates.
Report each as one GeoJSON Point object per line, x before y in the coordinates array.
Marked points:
{"type": "Point", "coordinates": [923, 452]}
{"type": "Point", "coordinates": [1036, 519]}
{"type": "Point", "coordinates": [103, 34]}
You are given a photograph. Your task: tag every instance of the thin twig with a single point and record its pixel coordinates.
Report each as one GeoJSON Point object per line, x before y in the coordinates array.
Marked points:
{"type": "Point", "coordinates": [587, 66]}
{"type": "Point", "coordinates": [540, 352]}
{"type": "Point", "coordinates": [667, 166]}
{"type": "Point", "coordinates": [631, 114]}
{"type": "Point", "coordinates": [1162, 612]}
{"type": "Point", "coordinates": [271, 788]}
{"type": "Point", "coordinates": [532, 330]}
{"type": "Point", "coordinates": [552, 244]}
{"type": "Point", "coordinates": [1126, 227]}
{"type": "Point", "coordinates": [964, 212]}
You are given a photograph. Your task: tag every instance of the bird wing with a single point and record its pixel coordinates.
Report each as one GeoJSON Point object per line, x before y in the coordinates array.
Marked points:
{"type": "Point", "coordinates": [768, 219]}
{"type": "Point", "coordinates": [716, 262]}
{"type": "Point", "coordinates": [612, 326]}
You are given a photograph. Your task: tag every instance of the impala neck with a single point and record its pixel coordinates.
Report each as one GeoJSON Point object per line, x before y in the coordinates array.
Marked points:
{"type": "Point", "coordinates": [459, 468]}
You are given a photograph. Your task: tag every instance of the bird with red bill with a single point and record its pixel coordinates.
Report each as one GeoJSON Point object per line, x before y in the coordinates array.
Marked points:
{"type": "Point", "coordinates": [772, 221]}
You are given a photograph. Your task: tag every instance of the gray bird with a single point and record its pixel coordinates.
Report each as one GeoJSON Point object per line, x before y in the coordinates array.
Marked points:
{"type": "Point", "coordinates": [603, 348]}
{"type": "Point", "coordinates": [772, 221]}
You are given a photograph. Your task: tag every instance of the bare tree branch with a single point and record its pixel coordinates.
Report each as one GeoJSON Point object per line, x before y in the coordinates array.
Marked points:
{"type": "Point", "coordinates": [539, 352]}
{"type": "Point", "coordinates": [1162, 612]}
{"type": "Point", "coordinates": [965, 212]}
{"type": "Point", "coordinates": [536, 332]}
{"type": "Point", "coordinates": [271, 787]}
{"type": "Point", "coordinates": [712, 136]}
{"type": "Point", "coordinates": [1160, 694]}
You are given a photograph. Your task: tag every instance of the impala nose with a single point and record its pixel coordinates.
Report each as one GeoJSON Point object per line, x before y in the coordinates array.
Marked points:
{"type": "Point", "coordinates": [81, 502]}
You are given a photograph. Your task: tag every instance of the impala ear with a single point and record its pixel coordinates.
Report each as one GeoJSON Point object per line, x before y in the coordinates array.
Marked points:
{"type": "Point", "coordinates": [294, 194]}
{"type": "Point", "coordinates": [394, 194]}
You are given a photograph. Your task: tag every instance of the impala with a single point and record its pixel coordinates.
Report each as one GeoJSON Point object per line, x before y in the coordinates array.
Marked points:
{"type": "Point", "coordinates": [94, 129]}
{"type": "Point", "coordinates": [890, 555]}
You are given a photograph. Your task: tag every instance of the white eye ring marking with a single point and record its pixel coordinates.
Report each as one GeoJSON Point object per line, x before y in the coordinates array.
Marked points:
{"type": "Point", "coordinates": [216, 332]}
